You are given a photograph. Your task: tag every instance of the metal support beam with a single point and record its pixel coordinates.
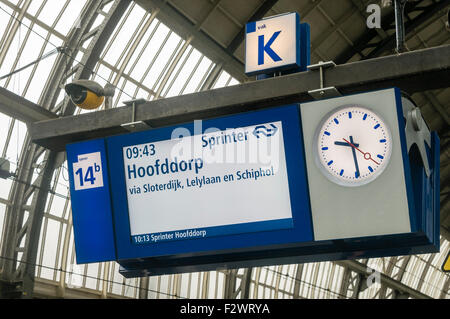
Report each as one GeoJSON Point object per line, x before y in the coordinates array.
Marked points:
{"type": "Point", "coordinates": [297, 281]}
{"type": "Point", "coordinates": [34, 221]}
{"type": "Point", "coordinates": [438, 107]}
{"type": "Point", "coordinates": [399, 8]}
{"type": "Point", "coordinates": [230, 284]}
{"type": "Point", "coordinates": [25, 227]}
{"type": "Point", "coordinates": [245, 283]}
{"type": "Point", "coordinates": [21, 109]}
{"type": "Point", "coordinates": [258, 15]}
{"type": "Point", "coordinates": [236, 42]}
{"type": "Point", "coordinates": [367, 38]}
{"type": "Point", "coordinates": [404, 27]}
{"type": "Point", "coordinates": [415, 71]}
{"type": "Point", "coordinates": [143, 287]}
{"type": "Point", "coordinates": [231, 290]}
{"type": "Point", "coordinates": [385, 280]}
{"type": "Point", "coordinates": [185, 28]}
{"type": "Point", "coordinates": [350, 283]}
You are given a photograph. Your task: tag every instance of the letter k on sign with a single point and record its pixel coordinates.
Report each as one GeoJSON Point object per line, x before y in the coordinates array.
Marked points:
{"type": "Point", "coordinates": [266, 48]}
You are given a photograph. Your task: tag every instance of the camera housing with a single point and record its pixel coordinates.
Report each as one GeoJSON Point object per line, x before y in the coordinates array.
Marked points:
{"type": "Point", "coordinates": [4, 168]}
{"type": "Point", "coordinates": [86, 94]}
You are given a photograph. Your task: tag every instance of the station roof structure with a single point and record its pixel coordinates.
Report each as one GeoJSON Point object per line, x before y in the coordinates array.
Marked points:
{"type": "Point", "coordinates": [159, 49]}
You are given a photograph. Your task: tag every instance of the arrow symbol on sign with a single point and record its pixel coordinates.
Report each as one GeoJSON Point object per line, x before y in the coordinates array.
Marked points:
{"type": "Point", "coordinates": [262, 129]}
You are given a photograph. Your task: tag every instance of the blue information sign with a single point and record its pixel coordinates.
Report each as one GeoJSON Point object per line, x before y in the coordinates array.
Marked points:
{"type": "Point", "coordinates": [243, 190]}
{"type": "Point", "coordinates": [235, 183]}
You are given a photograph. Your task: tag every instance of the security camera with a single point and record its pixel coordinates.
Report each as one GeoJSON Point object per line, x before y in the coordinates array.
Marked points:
{"type": "Point", "coordinates": [4, 168]}
{"type": "Point", "coordinates": [88, 94]}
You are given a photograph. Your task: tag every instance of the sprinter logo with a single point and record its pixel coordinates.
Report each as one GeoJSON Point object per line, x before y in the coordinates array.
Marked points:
{"type": "Point", "coordinates": [262, 129]}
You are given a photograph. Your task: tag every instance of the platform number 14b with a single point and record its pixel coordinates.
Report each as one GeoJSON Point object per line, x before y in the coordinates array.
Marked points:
{"type": "Point", "coordinates": [87, 172]}
{"type": "Point", "coordinates": [89, 176]}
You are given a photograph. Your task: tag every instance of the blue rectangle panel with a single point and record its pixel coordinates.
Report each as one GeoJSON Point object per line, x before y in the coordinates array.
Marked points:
{"type": "Point", "coordinates": [305, 46]}
{"type": "Point", "coordinates": [91, 201]}
{"type": "Point", "coordinates": [406, 161]}
{"type": "Point", "coordinates": [250, 27]}
{"type": "Point", "coordinates": [253, 235]}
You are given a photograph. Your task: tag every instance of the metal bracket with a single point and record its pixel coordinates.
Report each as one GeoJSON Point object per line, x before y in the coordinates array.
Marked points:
{"type": "Point", "coordinates": [323, 93]}
{"type": "Point", "coordinates": [416, 131]}
{"type": "Point", "coordinates": [399, 8]}
{"type": "Point", "coordinates": [134, 125]}
{"type": "Point", "coordinates": [108, 91]}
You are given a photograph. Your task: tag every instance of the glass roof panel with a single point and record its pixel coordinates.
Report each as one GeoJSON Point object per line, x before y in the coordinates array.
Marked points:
{"type": "Point", "coordinates": [35, 7]}
{"type": "Point", "coordinates": [51, 11]}
{"type": "Point", "coordinates": [125, 29]}
{"type": "Point", "coordinates": [69, 16]}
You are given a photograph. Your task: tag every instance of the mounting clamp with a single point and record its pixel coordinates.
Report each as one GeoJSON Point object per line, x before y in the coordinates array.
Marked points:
{"type": "Point", "coordinates": [323, 92]}
{"type": "Point", "coordinates": [417, 131]}
{"type": "Point", "coordinates": [134, 125]}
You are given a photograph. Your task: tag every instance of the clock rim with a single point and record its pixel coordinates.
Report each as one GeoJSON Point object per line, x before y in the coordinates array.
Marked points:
{"type": "Point", "coordinates": [334, 178]}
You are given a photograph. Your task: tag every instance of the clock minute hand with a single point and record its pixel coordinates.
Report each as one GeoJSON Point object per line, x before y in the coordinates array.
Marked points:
{"type": "Point", "coordinates": [366, 155]}
{"type": "Point", "coordinates": [355, 159]}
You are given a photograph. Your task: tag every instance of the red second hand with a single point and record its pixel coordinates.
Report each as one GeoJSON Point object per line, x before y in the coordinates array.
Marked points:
{"type": "Point", "coordinates": [369, 157]}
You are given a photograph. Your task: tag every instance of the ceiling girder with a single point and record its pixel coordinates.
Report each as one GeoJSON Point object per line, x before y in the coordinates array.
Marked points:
{"type": "Point", "coordinates": [427, 12]}
{"type": "Point", "coordinates": [366, 40]}
{"type": "Point", "coordinates": [23, 271]}
{"type": "Point", "coordinates": [200, 40]}
{"type": "Point", "coordinates": [384, 279]}
{"type": "Point", "coordinates": [412, 71]}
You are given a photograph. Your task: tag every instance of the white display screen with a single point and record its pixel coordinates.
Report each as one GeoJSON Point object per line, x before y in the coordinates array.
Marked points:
{"type": "Point", "coordinates": [211, 184]}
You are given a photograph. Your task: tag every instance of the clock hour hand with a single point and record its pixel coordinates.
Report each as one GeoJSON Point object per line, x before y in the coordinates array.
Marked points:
{"type": "Point", "coordinates": [344, 144]}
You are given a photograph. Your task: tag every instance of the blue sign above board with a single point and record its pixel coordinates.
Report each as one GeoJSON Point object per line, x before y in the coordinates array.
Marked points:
{"type": "Point", "coordinates": [244, 190]}
{"type": "Point", "coordinates": [277, 43]}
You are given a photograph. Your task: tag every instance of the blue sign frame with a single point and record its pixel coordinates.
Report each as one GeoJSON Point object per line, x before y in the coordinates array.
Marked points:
{"type": "Point", "coordinates": [91, 209]}
{"type": "Point", "coordinates": [301, 213]}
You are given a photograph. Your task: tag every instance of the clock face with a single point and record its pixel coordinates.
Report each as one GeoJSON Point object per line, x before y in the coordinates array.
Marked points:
{"type": "Point", "coordinates": [353, 145]}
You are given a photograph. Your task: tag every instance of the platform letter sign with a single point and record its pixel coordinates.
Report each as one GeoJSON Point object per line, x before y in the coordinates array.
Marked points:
{"type": "Point", "coordinates": [272, 44]}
